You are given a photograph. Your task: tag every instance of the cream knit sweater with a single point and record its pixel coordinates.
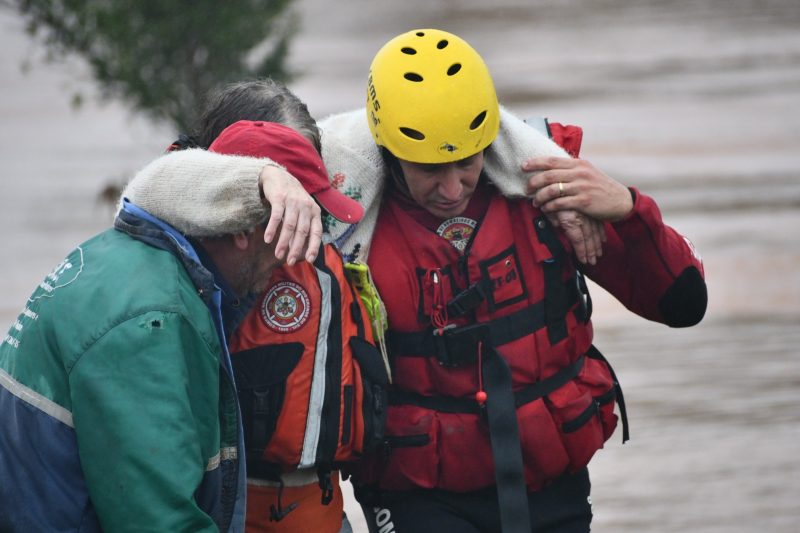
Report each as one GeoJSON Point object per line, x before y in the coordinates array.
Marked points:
{"type": "Point", "coordinates": [204, 194]}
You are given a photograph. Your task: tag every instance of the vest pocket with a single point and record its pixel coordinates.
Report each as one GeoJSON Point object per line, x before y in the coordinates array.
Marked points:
{"type": "Point", "coordinates": [260, 375]}
{"type": "Point", "coordinates": [411, 458]}
{"type": "Point", "coordinates": [576, 414]}
{"type": "Point", "coordinates": [595, 379]}
{"type": "Point", "coordinates": [370, 394]}
{"type": "Point", "coordinates": [544, 454]}
{"type": "Point", "coordinates": [465, 452]}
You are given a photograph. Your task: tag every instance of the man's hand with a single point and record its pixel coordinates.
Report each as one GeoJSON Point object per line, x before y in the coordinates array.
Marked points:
{"type": "Point", "coordinates": [586, 235]}
{"type": "Point", "coordinates": [294, 211]}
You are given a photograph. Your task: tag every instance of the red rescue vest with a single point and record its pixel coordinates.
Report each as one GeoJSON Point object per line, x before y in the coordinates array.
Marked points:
{"type": "Point", "coordinates": [311, 382]}
{"type": "Point", "coordinates": [514, 292]}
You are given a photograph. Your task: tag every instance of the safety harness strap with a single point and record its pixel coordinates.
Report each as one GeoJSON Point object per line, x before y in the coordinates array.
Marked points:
{"type": "Point", "coordinates": [556, 297]}
{"type": "Point", "coordinates": [530, 393]}
{"type": "Point", "coordinates": [506, 448]}
{"type": "Point", "coordinates": [594, 353]}
{"type": "Point", "coordinates": [498, 331]}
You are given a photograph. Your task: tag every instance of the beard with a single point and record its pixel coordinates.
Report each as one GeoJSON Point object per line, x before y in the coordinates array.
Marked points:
{"type": "Point", "coordinates": [255, 270]}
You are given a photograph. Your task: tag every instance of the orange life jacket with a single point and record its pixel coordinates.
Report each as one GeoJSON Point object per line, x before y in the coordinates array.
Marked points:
{"type": "Point", "coordinates": [311, 383]}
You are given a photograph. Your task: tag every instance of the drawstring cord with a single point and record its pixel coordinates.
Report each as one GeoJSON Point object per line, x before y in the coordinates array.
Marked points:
{"type": "Point", "coordinates": [480, 396]}
{"type": "Point", "coordinates": [279, 513]}
{"type": "Point", "coordinates": [439, 316]}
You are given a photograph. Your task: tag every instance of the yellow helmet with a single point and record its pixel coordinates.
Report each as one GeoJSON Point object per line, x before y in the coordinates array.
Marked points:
{"type": "Point", "coordinates": [430, 98]}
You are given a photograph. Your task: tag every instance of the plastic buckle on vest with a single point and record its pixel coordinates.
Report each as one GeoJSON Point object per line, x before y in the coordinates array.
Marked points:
{"type": "Point", "coordinates": [459, 346]}
{"type": "Point", "coordinates": [326, 485]}
{"type": "Point", "coordinates": [467, 300]}
{"type": "Point", "coordinates": [583, 296]}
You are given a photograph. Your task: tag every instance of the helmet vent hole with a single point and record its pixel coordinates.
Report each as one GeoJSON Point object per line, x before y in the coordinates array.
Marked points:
{"type": "Point", "coordinates": [454, 68]}
{"type": "Point", "coordinates": [412, 76]}
{"type": "Point", "coordinates": [478, 120]}
{"type": "Point", "coordinates": [413, 134]}
{"type": "Point", "coordinates": [420, 34]}
{"type": "Point", "coordinates": [442, 44]}
{"type": "Point", "coordinates": [408, 50]}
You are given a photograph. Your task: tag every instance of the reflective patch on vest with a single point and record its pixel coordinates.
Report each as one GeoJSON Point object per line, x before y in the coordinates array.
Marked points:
{"type": "Point", "coordinates": [457, 231]}
{"type": "Point", "coordinates": [286, 307]}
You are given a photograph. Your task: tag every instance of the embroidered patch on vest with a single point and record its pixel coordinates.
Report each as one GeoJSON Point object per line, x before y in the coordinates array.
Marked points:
{"type": "Point", "coordinates": [285, 307]}
{"type": "Point", "coordinates": [457, 231]}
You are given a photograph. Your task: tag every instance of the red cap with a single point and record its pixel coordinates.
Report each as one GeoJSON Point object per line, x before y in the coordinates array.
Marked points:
{"type": "Point", "coordinates": [287, 147]}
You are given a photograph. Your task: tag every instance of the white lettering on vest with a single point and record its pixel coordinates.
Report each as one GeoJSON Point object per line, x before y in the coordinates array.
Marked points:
{"type": "Point", "coordinates": [383, 519]}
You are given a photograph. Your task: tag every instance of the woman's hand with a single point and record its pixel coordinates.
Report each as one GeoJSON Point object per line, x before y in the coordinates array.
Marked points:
{"type": "Point", "coordinates": [577, 197]}
{"type": "Point", "coordinates": [292, 210]}
{"type": "Point", "coordinates": [561, 183]}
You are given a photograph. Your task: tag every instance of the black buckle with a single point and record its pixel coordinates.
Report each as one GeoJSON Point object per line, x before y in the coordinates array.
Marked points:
{"type": "Point", "coordinates": [467, 300]}
{"type": "Point", "coordinates": [459, 346]}
{"type": "Point", "coordinates": [583, 296]}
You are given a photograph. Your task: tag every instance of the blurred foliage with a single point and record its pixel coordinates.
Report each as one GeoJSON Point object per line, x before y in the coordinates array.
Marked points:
{"type": "Point", "coordinates": [163, 56]}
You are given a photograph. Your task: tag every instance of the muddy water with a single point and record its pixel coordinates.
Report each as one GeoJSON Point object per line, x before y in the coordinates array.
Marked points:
{"type": "Point", "coordinates": [696, 102]}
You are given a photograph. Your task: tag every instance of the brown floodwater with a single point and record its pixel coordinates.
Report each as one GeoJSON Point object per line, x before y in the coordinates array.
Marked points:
{"type": "Point", "coordinates": [696, 102]}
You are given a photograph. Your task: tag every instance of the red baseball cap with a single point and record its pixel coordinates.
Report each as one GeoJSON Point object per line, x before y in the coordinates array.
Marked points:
{"type": "Point", "coordinates": [289, 148]}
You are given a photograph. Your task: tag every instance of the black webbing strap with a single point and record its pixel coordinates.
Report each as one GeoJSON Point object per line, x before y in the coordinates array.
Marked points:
{"type": "Point", "coordinates": [544, 387]}
{"type": "Point", "coordinates": [512, 494]}
{"type": "Point", "coordinates": [555, 298]}
{"type": "Point", "coordinates": [594, 353]}
{"type": "Point", "coordinates": [262, 421]}
{"type": "Point", "coordinates": [501, 330]}
{"type": "Point", "coordinates": [470, 298]}
{"type": "Point", "coordinates": [450, 404]}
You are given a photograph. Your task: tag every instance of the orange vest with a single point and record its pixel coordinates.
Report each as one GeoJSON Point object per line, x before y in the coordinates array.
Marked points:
{"type": "Point", "coordinates": [310, 381]}
{"type": "Point", "coordinates": [514, 292]}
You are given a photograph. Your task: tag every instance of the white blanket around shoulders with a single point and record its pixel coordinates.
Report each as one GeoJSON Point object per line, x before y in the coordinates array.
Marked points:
{"type": "Point", "coordinates": [355, 167]}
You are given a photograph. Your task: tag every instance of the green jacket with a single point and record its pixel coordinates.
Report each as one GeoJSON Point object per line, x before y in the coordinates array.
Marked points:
{"type": "Point", "coordinates": [116, 406]}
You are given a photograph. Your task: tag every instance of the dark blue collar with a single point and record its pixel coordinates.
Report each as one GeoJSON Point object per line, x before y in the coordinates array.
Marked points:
{"type": "Point", "coordinates": [143, 226]}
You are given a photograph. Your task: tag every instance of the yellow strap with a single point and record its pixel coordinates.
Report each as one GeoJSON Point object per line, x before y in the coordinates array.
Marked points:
{"type": "Point", "coordinates": [359, 276]}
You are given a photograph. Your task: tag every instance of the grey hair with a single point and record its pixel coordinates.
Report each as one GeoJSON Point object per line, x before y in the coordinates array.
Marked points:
{"type": "Point", "coordinates": [260, 99]}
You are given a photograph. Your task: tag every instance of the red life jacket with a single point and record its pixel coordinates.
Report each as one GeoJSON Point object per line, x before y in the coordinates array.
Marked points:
{"type": "Point", "coordinates": [515, 293]}
{"type": "Point", "coordinates": [311, 382]}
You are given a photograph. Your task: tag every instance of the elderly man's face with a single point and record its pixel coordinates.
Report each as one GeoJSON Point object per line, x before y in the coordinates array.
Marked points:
{"type": "Point", "coordinates": [256, 264]}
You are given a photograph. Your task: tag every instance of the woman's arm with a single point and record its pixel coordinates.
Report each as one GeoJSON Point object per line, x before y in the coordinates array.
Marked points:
{"type": "Point", "coordinates": [202, 194]}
